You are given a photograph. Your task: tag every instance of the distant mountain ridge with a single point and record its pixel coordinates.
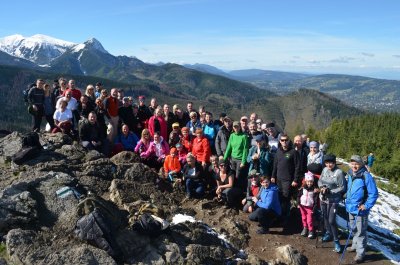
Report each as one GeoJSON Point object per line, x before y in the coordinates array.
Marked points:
{"type": "Point", "coordinates": [234, 88]}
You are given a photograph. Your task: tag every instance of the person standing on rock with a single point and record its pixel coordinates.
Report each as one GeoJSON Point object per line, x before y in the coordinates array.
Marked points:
{"type": "Point", "coordinates": [361, 196]}
{"type": "Point", "coordinates": [111, 105]}
{"type": "Point", "coordinates": [36, 101]}
{"type": "Point", "coordinates": [286, 174]}
{"type": "Point", "coordinates": [237, 151]}
{"type": "Point", "coordinates": [332, 185]}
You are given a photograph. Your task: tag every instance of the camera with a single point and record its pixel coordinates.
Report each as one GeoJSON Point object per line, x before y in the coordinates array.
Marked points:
{"type": "Point", "coordinates": [324, 192]}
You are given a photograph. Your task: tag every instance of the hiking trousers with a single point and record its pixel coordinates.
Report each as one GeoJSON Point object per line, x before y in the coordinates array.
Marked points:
{"type": "Point", "coordinates": [329, 212]}
{"type": "Point", "coordinates": [359, 234]}
{"type": "Point", "coordinates": [307, 217]}
{"type": "Point", "coordinates": [263, 216]}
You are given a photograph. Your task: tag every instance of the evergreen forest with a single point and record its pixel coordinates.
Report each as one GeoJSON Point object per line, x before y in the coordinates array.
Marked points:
{"type": "Point", "coordinates": [370, 133]}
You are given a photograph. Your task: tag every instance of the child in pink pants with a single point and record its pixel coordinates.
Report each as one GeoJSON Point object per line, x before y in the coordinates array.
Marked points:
{"type": "Point", "coordinates": [307, 201]}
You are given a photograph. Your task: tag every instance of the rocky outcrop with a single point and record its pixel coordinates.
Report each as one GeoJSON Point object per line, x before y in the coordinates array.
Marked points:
{"type": "Point", "coordinates": [40, 224]}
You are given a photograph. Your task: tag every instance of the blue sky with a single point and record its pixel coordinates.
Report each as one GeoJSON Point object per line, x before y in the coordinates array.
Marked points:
{"type": "Point", "coordinates": [353, 36]}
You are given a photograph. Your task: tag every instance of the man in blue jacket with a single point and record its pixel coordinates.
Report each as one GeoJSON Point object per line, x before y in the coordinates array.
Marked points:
{"type": "Point", "coordinates": [268, 206]}
{"type": "Point", "coordinates": [362, 194]}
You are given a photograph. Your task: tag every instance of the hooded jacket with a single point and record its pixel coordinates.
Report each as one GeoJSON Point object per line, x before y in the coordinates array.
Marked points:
{"type": "Point", "coordinates": [357, 183]}
{"type": "Point", "coordinates": [269, 199]}
{"type": "Point", "coordinates": [221, 141]}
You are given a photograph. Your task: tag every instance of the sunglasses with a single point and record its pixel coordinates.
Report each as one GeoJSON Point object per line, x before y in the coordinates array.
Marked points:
{"type": "Point", "coordinates": [284, 140]}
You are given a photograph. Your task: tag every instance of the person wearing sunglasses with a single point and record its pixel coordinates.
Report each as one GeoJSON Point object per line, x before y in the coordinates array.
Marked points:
{"type": "Point", "coordinates": [286, 173]}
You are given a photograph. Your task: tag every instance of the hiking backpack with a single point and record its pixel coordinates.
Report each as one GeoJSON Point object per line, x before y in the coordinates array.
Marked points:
{"type": "Point", "coordinates": [25, 92]}
{"type": "Point", "coordinates": [96, 229]}
{"type": "Point", "coordinates": [107, 208]}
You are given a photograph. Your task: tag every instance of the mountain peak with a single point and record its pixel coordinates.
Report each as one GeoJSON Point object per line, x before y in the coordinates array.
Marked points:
{"type": "Point", "coordinates": [94, 43]}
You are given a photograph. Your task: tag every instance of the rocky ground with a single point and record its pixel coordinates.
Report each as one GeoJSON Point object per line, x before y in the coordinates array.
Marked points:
{"type": "Point", "coordinates": [37, 226]}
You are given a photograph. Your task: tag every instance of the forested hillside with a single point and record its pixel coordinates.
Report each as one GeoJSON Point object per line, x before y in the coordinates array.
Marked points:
{"type": "Point", "coordinates": [379, 134]}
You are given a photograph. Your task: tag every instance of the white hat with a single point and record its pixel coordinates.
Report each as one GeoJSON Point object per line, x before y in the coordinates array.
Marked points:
{"type": "Point", "coordinates": [308, 176]}
{"type": "Point", "coordinates": [263, 126]}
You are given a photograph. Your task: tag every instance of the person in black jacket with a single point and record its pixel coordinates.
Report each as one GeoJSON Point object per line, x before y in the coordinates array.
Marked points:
{"type": "Point", "coordinates": [194, 177]}
{"type": "Point", "coordinates": [286, 173]}
{"type": "Point", "coordinates": [36, 101]}
{"type": "Point", "coordinates": [221, 141]}
{"type": "Point", "coordinates": [89, 133]}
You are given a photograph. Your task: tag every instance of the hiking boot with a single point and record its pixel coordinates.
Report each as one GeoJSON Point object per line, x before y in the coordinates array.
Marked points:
{"type": "Point", "coordinates": [358, 259]}
{"type": "Point", "coordinates": [311, 235]}
{"type": "Point", "coordinates": [326, 238]}
{"type": "Point", "coordinates": [262, 231]}
{"type": "Point", "coordinates": [304, 232]}
{"type": "Point", "coordinates": [338, 247]}
{"type": "Point", "coordinates": [351, 249]}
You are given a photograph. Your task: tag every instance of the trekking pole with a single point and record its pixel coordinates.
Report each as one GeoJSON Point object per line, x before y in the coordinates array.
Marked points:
{"type": "Point", "coordinates": [348, 238]}
{"type": "Point", "coordinates": [320, 227]}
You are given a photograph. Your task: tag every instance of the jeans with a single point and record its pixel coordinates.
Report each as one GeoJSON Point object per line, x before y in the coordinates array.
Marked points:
{"type": "Point", "coordinates": [359, 234]}
{"type": "Point", "coordinates": [263, 216]}
{"type": "Point", "coordinates": [194, 187]}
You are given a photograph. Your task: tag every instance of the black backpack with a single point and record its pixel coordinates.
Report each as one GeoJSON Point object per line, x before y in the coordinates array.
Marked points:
{"type": "Point", "coordinates": [31, 139]}
{"type": "Point", "coordinates": [96, 229]}
{"type": "Point", "coordinates": [25, 92]}
{"type": "Point", "coordinates": [148, 225]}
{"type": "Point", "coordinates": [30, 148]}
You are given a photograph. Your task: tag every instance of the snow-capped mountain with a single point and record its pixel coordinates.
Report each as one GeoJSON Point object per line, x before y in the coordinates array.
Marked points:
{"type": "Point", "coordinates": [41, 49]}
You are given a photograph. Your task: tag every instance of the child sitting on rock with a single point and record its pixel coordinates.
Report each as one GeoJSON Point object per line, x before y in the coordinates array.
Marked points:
{"type": "Point", "coordinates": [253, 189]}
{"type": "Point", "coordinates": [307, 200]}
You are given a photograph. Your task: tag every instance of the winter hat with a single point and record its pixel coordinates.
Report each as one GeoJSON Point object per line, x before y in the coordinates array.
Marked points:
{"type": "Point", "coordinates": [315, 168]}
{"type": "Point", "coordinates": [236, 123]}
{"type": "Point", "coordinates": [329, 158]}
{"type": "Point", "coordinates": [175, 124]}
{"type": "Point", "coordinates": [244, 118]}
{"type": "Point", "coordinates": [314, 144]}
{"type": "Point", "coordinates": [227, 118]}
{"type": "Point", "coordinates": [258, 121]}
{"type": "Point", "coordinates": [308, 176]}
{"type": "Point", "coordinates": [358, 159]}
{"type": "Point", "coordinates": [141, 97]}
{"type": "Point", "coordinates": [173, 150]}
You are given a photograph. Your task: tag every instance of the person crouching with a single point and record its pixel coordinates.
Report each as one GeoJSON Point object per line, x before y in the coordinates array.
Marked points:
{"type": "Point", "coordinates": [267, 206]}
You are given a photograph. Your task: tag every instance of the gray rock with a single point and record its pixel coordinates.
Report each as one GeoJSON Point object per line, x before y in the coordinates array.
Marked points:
{"type": "Point", "coordinates": [199, 254]}
{"type": "Point", "coordinates": [53, 141]}
{"type": "Point", "coordinates": [121, 191]}
{"type": "Point", "coordinates": [10, 145]}
{"type": "Point", "coordinates": [125, 157]}
{"type": "Point", "coordinates": [288, 255]}
{"type": "Point", "coordinates": [79, 255]}
{"type": "Point", "coordinates": [19, 243]}
{"type": "Point", "coordinates": [93, 155]}
{"type": "Point", "coordinates": [140, 173]}
{"type": "Point", "coordinates": [17, 207]}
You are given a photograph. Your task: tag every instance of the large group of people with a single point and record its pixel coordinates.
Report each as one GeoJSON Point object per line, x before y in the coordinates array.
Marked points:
{"type": "Point", "coordinates": [246, 162]}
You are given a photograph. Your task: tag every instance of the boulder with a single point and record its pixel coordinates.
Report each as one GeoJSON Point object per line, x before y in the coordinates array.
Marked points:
{"type": "Point", "coordinates": [53, 141]}
{"type": "Point", "coordinates": [10, 145]}
{"type": "Point", "coordinates": [17, 207]}
{"type": "Point", "coordinates": [125, 158]}
{"type": "Point", "coordinates": [288, 255]}
{"type": "Point", "coordinates": [200, 254]}
{"type": "Point", "coordinates": [141, 173]}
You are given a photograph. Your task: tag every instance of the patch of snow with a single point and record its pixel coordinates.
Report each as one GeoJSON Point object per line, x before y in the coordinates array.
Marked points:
{"type": "Point", "coordinates": [78, 47]}
{"type": "Point", "coordinates": [181, 218]}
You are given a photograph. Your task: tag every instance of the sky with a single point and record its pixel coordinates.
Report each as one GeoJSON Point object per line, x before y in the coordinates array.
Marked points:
{"type": "Point", "coordinates": [316, 36]}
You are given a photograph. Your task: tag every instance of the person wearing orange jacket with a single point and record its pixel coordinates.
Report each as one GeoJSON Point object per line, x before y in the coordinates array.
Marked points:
{"type": "Point", "coordinates": [201, 148]}
{"type": "Point", "coordinates": [171, 163]}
